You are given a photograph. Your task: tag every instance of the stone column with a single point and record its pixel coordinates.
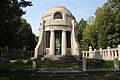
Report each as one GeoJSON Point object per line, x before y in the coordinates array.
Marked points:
{"type": "Point", "coordinates": [116, 64]}
{"type": "Point", "coordinates": [64, 42]}
{"type": "Point", "coordinates": [52, 43]}
{"type": "Point", "coordinates": [108, 51]}
{"type": "Point", "coordinates": [119, 51]}
{"type": "Point", "coordinates": [101, 55]}
{"type": "Point", "coordinates": [112, 54]}
{"type": "Point", "coordinates": [24, 48]}
{"type": "Point", "coordinates": [90, 52]}
{"type": "Point", "coordinates": [116, 54]}
{"type": "Point", "coordinates": [34, 66]}
{"type": "Point", "coordinates": [96, 54]}
{"type": "Point", "coordinates": [84, 64]}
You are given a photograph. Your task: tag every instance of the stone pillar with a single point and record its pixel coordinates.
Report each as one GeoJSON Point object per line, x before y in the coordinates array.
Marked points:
{"type": "Point", "coordinates": [108, 52]}
{"type": "Point", "coordinates": [90, 52]}
{"type": "Point", "coordinates": [116, 54]}
{"type": "Point", "coordinates": [112, 54]}
{"type": "Point", "coordinates": [34, 66]}
{"type": "Point", "coordinates": [84, 64]}
{"type": "Point", "coordinates": [52, 43]}
{"type": "Point", "coordinates": [119, 51]}
{"type": "Point", "coordinates": [83, 54]}
{"type": "Point", "coordinates": [64, 42]}
{"type": "Point", "coordinates": [95, 54]}
{"type": "Point", "coordinates": [24, 48]}
{"type": "Point", "coordinates": [6, 48]}
{"type": "Point", "coordinates": [116, 64]}
{"type": "Point", "coordinates": [101, 57]}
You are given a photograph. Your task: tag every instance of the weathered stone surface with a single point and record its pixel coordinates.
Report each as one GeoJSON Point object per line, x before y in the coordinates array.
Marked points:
{"type": "Point", "coordinates": [60, 23]}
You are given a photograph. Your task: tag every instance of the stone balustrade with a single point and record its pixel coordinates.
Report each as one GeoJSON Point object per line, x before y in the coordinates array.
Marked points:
{"type": "Point", "coordinates": [107, 54]}
{"type": "Point", "coordinates": [13, 53]}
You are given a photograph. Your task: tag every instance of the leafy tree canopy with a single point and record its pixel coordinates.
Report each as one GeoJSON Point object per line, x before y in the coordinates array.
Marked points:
{"type": "Point", "coordinates": [10, 15]}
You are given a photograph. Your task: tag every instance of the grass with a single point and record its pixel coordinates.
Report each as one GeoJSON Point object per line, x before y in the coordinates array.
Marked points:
{"type": "Point", "coordinates": [47, 65]}
{"type": "Point", "coordinates": [107, 64]}
{"type": "Point", "coordinates": [17, 66]}
{"type": "Point", "coordinates": [12, 65]}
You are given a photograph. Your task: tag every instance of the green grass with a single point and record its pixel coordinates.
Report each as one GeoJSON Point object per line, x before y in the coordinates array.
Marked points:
{"type": "Point", "coordinates": [43, 65]}
{"type": "Point", "coordinates": [12, 65]}
{"type": "Point", "coordinates": [17, 66]}
{"type": "Point", "coordinates": [107, 64]}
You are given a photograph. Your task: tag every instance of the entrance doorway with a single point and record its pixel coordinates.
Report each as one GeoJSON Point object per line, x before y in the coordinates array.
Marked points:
{"type": "Point", "coordinates": [58, 35]}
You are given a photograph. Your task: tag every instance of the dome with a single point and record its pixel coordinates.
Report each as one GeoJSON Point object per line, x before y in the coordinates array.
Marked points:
{"type": "Point", "coordinates": [58, 15]}
{"type": "Point", "coordinates": [55, 9]}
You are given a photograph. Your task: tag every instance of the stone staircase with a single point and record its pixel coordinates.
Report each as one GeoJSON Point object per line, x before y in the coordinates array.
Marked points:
{"type": "Point", "coordinates": [55, 57]}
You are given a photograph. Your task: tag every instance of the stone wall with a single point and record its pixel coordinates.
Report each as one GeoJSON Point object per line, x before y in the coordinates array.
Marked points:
{"type": "Point", "coordinates": [107, 54]}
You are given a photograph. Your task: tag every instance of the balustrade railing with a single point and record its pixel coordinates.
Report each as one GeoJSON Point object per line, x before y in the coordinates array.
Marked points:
{"type": "Point", "coordinates": [109, 53]}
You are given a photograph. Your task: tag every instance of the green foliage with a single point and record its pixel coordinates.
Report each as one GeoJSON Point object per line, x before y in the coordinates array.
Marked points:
{"type": "Point", "coordinates": [89, 37]}
{"type": "Point", "coordinates": [105, 29]}
{"type": "Point", "coordinates": [37, 38]}
{"type": "Point", "coordinates": [79, 30]}
{"type": "Point", "coordinates": [10, 15]}
{"type": "Point", "coordinates": [90, 20]}
{"type": "Point", "coordinates": [25, 36]}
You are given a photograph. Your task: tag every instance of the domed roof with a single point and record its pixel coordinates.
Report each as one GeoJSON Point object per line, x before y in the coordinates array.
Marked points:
{"type": "Point", "coordinates": [58, 15]}
{"type": "Point", "coordinates": [55, 9]}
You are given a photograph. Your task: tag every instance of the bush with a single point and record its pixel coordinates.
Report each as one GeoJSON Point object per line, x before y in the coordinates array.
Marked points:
{"type": "Point", "coordinates": [68, 57]}
{"type": "Point", "coordinates": [29, 62]}
{"type": "Point", "coordinates": [19, 62]}
{"type": "Point", "coordinates": [95, 63]}
{"type": "Point", "coordinates": [5, 61]}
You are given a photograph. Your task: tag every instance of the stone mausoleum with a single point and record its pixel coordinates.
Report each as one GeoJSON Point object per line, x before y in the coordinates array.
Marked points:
{"type": "Point", "coordinates": [57, 34]}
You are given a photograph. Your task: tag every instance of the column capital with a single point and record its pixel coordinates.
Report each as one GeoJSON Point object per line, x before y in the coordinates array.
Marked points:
{"type": "Point", "coordinates": [64, 30]}
{"type": "Point", "coordinates": [52, 30]}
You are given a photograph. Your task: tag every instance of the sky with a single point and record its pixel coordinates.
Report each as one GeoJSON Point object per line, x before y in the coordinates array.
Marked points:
{"type": "Point", "coordinates": [79, 8]}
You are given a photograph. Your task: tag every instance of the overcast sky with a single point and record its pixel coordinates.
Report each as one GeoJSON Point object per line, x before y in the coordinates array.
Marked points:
{"type": "Point", "coordinates": [79, 8]}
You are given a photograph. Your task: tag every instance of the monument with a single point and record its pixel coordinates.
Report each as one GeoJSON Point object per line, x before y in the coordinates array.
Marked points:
{"type": "Point", "coordinates": [57, 34]}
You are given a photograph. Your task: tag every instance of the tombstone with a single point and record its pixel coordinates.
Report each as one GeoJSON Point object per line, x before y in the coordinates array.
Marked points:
{"type": "Point", "coordinates": [24, 48]}
{"type": "Point", "coordinates": [84, 64]}
{"type": "Point", "coordinates": [116, 64]}
{"type": "Point", "coordinates": [6, 48]}
{"type": "Point", "coordinates": [34, 67]}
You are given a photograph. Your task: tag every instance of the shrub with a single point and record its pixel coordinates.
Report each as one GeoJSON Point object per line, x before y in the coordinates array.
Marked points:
{"type": "Point", "coordinates": [29, 62]}
{"type": "Point", "coordinates": [19, 62]}
{"type": "Point", "coordinates": [5, 61]}
{"type": "Point", "coordinates": [94, 63]}
{"type": "Point", "coordinates": [68, 57]}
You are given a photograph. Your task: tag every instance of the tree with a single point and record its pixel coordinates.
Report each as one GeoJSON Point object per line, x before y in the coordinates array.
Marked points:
{"type": "Point", "coordinates": [90, 20]}
{"type": "Point", "coordinates": [108, 18]}
{"type": "Point", "coordinates": [105, 29]}
{"type": "Point", "coordinates": [80, 26]}
{"type": "Point", "coordinates": [25, 36]}
{"type": "Point", "coordinates": [90, 37]}
{"type": "Point", "coordinates": [10, 15]}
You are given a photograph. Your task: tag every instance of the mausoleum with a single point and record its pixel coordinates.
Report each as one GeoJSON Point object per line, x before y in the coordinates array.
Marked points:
{"type": "Point", "coordinates": [57, 34]}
